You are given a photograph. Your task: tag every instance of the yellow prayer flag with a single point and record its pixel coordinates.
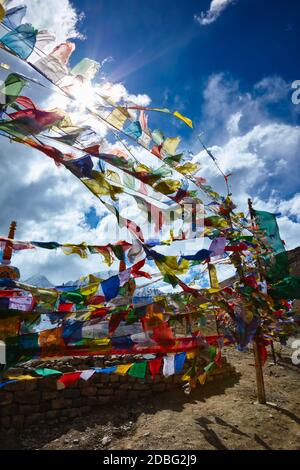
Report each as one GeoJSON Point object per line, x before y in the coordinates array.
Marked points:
{"type": "Point", "coordinates": [191, 355]}
{"type": "Point", "coordinates": [91, 289]}
{"type": "Point", "coordinates": [212, 290]}
{"type": "Point", "coordinates": [186, 378]}
{"type": "Point", "coordinates": [22, 377]}
{"type": "Point", "coordinates": [100, 187]}
{"type": "Point", "coordinates": [187, 168]}
{"type": "Point", "coordinates": [214, 283]}
{"type": "Point", "coordinates": [65, 121]}
{"type": "Point", "coordinates": [102, 341]}
{"type": "Point", "coordinates": [170, 266]}
{"type": "Point", "coordinates": [118, 117]}
{"type": "Point", "coordinates": [123, 369]}
{"type": "Point", "coordinates": [167, 186]}
{"type": "Point", "coordinates": [80, 250]}
{"type": "Point", "coordinates": [170, 145]}
{"type": "Point", "coordinates": [202, 378]}
{"type": "Point", "coordinates": [2, 12]}
{"type": "Point", "coordinates": [188, 121]}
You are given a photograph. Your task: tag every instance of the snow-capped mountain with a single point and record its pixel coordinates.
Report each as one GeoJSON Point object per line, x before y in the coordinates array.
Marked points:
{"type": "Point", "coordinates": [39, 281]}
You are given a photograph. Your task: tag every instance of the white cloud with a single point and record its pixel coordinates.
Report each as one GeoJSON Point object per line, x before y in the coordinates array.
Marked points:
{"type": "Point", "coordinates": [56, 16]}
{"type": "Point", "coordinates": [257, 144]}
{"type": "Point", "coordinates": [49, 203]}
{"type": "Point", "coordinates": [213, 13]}
{"type": "Point", "coordinates": [288, 219]}
{"type": "Point", "coordinates": [117, 92]}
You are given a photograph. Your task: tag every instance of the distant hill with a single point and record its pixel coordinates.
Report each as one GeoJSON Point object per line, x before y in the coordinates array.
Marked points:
{"type": "Point", "coordinates": [42, 281]}
{"type": "Point", "coordinates": [39, 281]}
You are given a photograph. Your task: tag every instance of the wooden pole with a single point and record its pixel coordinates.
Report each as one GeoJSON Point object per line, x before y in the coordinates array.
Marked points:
{"type": "Point", "coordinates": [261, 394]}
{"type": "Point", "coordinates": [252, 215]}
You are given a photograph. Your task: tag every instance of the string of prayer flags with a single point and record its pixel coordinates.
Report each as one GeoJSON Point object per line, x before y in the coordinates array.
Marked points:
{"type": "Point", "coordinates": [106, 317]}
{"type": "Point", "coordinates": [177, 114]}
{"type": "Point", "coordinates": [30, 121]}
{"type": "Point", "coordinates": [172, 364]}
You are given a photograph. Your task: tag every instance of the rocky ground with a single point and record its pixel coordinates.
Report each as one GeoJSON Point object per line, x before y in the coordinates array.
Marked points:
{"type": "Point", "coordinates": [220, 415]}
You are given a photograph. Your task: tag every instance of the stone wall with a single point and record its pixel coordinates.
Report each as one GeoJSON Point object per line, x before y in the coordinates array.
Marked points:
{"type": "Point", "coordinates": [35, 402]}
{"type": "Point", "coordinates": [294, 260]}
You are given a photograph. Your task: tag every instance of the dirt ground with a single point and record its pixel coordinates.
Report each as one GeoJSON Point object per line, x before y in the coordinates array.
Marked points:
{"type": "Point", "coordinates": [220, 415]}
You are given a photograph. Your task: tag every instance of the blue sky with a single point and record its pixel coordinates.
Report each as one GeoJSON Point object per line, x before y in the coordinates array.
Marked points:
{"type": "Point", "coordinates": [230, 70]}
{"type": "Point", "coordinates": [158, 48]}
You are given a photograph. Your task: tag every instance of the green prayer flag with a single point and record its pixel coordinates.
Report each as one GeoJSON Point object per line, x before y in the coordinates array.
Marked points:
{"type": "Point", "coordinates": [138, 370]}
{"type": "Point", "coordinates": [11, 88]}
{"type": "Point", "coordinates": [47, 372]}
{"type": "Point", "coordinates": [74, 297]}
{"type": "Point", "coordinates": [212, 352]}
{"type": "Point", "coordinates": [288, 288]}
{"type": "Point", "coordinates": [277, 263]}
{"type": "Point", "coordinates": [268, 224]}
{"type": "Point", "coordinates": [210, 367]}
{"type": "Point", "coordinates": [118, 251]}
{"type": "Point", "coordinates": [169, 279]}
{"type": "Point", "coordinates": [278, 267]}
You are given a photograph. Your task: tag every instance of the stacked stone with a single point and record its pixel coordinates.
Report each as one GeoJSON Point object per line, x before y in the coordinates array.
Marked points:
{"type": "Point", "coordinates": [28, 403]}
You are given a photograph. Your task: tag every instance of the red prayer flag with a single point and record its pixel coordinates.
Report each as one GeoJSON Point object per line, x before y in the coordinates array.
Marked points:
{"type": "Point", "coordinates": [69, 379]}
{"type": "Point", "coordinates": [154, 366]}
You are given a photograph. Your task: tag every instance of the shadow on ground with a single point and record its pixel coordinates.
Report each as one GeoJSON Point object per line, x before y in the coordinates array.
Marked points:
{"type": "Point", "coordinates": [118, 419]}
